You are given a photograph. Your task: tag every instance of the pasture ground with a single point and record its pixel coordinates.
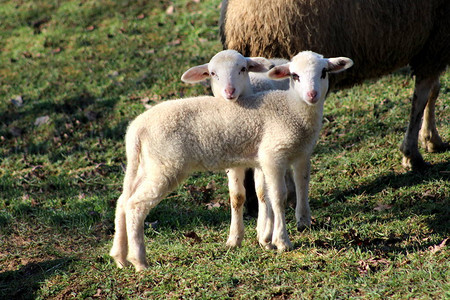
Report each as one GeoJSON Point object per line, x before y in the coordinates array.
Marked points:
{"type": "Point", "coordinates": [74, 73]}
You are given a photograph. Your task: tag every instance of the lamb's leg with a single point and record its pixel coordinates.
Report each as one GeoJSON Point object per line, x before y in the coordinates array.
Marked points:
{"type": "Point", "coordinates": [237, 199]}
{"type": "Point", "coordinates": [277, 192]}
{"type": "Point", "coordinates": [412, 157]}
{"type": "Point", "coordinates": [147, 196]}
{"type": "Point", "coordinates": [119, 249]}
{"type": "Point", "coordinates": [301, 179]}
{"type": "Point", "coordinates": [428, 134]}
{"type": "Point", "coordinates": [265, 214]}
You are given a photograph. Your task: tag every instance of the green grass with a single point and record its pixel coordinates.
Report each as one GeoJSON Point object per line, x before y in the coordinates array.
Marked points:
{"type": "Point", "coordinates": [90, 66]}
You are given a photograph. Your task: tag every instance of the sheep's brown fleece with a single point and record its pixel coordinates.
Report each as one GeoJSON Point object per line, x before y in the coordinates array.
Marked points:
{"type": "Point", "coordinates": [379, 35]}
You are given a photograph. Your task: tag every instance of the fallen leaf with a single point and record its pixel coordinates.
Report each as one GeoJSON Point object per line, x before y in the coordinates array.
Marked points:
{"type": "Point", "coordinates": [437, 248]}
{"type": "Point", "coordinates": [113, 74]}
{"type": "Point", "coordinates": [372, 264]}
{"type": "Point", "coordinates": [140, 17]}
{"type": "Point", "coordinates": [98, 294]}
{"type": "Point", "coordinates": [90, 28]}
{"type": "Point", "coordinates": [382, 207]}
{"type": "Point", "coordinates": [170, 10]}
{"type": "Point", "coordinates": [18, 101]}
{"type": "Point", "coordinates": [213, 205]}
{"type": "Point", "coordinates": [145, 100]}
{"type": "Point", "coordinates": [41, 120]}
{"type": "Point", "coordinates": [174, 42]}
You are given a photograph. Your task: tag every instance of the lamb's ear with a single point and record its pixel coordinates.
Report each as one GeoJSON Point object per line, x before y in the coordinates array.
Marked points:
{"type": "Point", "coordinates": [258, 64]}
{"type": "Point", "coordinates": [279, 72]}
{"type": "Point", "coordinates": [338, 64]}
{"type": "Point", "coordinates": [196, 74]}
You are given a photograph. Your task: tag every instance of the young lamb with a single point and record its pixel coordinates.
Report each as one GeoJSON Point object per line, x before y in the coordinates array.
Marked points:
{"type": "Point", "coordinates": [270, 130]}
{"type": "Point", "coordinates": [231, 76]}
{"type": "Point", "coordinates": [230, 73]}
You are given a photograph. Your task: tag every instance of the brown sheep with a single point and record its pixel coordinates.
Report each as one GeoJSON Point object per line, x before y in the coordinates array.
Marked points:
{"type": "Point", "coordinates": [380, 36]}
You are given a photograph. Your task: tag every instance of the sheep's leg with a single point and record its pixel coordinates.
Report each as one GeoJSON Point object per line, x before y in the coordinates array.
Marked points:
{"type": "Point", "coordinates": [119, 249]}
{"type": "Point", "coordinates": [265, 214]}
{"type": "Point", "coordinates": [277, 192]}
{"type": "Point", "coordinates": [301, 179]}
{"type": "Point", "coordinates": [412, 157]}
{"type": "Point", "coordinates": [428, 134]}
{"type": "Point", "coordinates": [147, 196]}
{"type": "Point", "coordinates": [237, 199]}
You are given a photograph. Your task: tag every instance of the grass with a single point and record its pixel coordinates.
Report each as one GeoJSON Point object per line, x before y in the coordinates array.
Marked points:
{"type": "Point", "coordinates": [74, 73]}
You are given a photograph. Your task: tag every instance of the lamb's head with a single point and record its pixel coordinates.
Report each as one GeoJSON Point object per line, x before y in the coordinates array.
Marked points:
{"type": "Point", "coordinates": [309, 74]}
{"type": "Point", "coordinates": [228, 71]}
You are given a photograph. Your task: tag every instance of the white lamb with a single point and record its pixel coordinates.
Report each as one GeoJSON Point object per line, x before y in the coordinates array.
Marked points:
{"type": "Point", "coordinates": [232, 76]}
{"type": "Point", "coordinates": [230, 73]}
{"type": "Point", "coordinates": [270, 131]}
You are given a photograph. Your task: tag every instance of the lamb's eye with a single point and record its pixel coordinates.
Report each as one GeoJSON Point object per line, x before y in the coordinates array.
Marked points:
{"type": "Point", "coordinates": [324, 74]}
{"type": "Point", "coordinates": [244, 69]}
{"type": "Point", "coordinates": [213, 74]}
{"type": "Point", "coordinates": [295, 77]}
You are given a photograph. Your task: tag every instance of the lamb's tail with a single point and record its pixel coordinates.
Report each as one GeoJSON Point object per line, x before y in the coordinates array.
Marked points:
{"type": "Point", "coordinates": [133, 150]}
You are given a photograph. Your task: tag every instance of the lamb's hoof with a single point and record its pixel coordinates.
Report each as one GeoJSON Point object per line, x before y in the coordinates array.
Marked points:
{"type": "Point", "coordinates": [266, 245]}
{"type": "Point", "coordinates": [140, 267]}
{"type": "Point", "coordinates": [234, 243]}
{"type": "Point", "coordinates": [121, 261]}
{"type": "Point", "coordinates": [283, 246]}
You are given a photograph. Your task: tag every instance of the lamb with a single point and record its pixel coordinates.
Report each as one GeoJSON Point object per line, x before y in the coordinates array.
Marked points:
{"type": "Point", "coordinates": [269, 130]}
{"type": "Point", "coordinates": [231, 71]}
{"type": "Point", "coordinates": [381, 36]}
{"type": "Point", "coordinates": [232, 76]}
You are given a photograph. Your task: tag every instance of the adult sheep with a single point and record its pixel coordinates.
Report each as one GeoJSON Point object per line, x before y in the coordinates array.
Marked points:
{"type": "Point", "coordinates": [380, 36]}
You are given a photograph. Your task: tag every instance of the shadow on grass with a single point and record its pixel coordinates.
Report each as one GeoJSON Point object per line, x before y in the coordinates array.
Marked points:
{"type": "Point", "coordinates": [434, 205]}
{"type": "Point", "coordinates": [25, 282]}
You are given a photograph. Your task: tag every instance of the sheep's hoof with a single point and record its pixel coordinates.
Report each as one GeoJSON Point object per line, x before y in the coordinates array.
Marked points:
{"type": "Point", "coordinates": [233, 243]}
{"type": "Point", "coordinates": [302, 225]}
{"type": "Point", "coordinates": [120, 260]}
{"type": "Point", "coordinates": [266, 245]}
{"type": "Point", "coordinates": [122, 263]}
{"type": "Point", "coordinates": [416, 165]}
{"type": "Point", "coordinates": [436, 148]}
{"type": "Point", "coordinates": [140, 267]}
{"type": "Point", "coordinates": [283, 246]}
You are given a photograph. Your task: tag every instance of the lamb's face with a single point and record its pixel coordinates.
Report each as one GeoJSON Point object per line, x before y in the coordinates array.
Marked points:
{"type": "Point", "coordinates": [308, 72]}
{"type": "Point", "coordinates": [309, 76]}
{"type": "Point", "coordinates": [228, 71]}
{"type": "Point", "coordinates": [229, 75]}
